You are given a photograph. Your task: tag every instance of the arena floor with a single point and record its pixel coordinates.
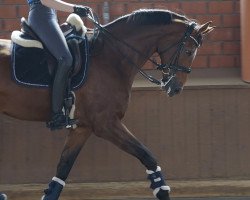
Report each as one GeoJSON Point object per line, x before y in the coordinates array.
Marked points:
{"type": "Point", "coordinates": [208, 190]}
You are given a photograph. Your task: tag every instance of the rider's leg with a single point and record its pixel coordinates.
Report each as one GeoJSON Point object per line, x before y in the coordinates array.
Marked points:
{"type": "Point", "coordinates": [43, 21]}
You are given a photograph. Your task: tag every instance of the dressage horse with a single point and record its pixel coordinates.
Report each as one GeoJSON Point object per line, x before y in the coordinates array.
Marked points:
{"type": "Point", "coordinates": [117, 54]}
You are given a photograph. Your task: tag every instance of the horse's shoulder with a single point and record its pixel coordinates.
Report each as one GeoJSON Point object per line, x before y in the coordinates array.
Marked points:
{"type": "Point", "coordinates": [5, 47]}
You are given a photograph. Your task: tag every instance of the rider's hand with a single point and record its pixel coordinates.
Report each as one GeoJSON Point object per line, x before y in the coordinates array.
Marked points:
{"type": "Point", "coordinates": [82, 11]}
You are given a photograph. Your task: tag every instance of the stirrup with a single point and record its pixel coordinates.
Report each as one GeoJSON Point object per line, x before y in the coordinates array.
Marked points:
{"type": "Point", "coordinates": [60, 121]}
{"type": "Point", "coordinates": [71, 123]}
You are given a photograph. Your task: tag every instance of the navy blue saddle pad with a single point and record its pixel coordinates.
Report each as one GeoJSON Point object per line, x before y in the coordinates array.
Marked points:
{"type": "Point", "coordinates": [30, 67]}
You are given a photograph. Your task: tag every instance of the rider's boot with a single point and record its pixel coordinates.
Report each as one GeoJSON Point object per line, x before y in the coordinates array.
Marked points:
{"type": "Point", "coordinates": [54, 190]}
{"type": "Point", "coordinates": [58, 119]}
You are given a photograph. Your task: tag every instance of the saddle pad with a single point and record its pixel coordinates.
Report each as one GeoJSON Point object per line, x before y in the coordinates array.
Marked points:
{"type": "Point", "coordinates": [30, 67]}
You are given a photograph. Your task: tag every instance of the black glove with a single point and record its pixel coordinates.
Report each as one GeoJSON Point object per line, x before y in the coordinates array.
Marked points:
{"type": "Point", "coordinates": [82, 11]}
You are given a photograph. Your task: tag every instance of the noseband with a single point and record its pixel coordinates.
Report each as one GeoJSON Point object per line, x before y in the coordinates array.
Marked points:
{"type": "Point", "coordinates": [173, 67]}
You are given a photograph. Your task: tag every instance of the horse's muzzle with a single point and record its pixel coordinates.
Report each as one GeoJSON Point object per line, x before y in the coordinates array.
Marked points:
{"type": "Point", "coordinates": [171, 85]}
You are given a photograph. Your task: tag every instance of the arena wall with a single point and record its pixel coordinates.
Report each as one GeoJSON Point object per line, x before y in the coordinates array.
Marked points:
{"type": "Point", "coordinates": [221, 49]}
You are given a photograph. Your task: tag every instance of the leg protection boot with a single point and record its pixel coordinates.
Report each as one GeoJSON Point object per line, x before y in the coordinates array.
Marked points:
{"type": "Point", "coordinates": [3, 196]}
{"type": "Point", "coordinates": [54, 190]}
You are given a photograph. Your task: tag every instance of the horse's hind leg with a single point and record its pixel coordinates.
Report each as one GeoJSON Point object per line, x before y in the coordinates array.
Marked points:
{"type": "Point", "coordinates": [118, 134]}
{"type": "Point", "coordinates": [74, 143]}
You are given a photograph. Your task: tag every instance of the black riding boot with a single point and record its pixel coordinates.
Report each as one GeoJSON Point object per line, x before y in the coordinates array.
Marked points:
{"type": "Point", "coordinates": [59, 120]}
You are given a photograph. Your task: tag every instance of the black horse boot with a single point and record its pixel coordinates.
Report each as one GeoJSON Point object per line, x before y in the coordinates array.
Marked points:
{"type": "Point", "coordinates": [3, 196]}
{"type": "Point", "coordinates": [54, 190]}
{"type": "Point", "coordinates": [160, 189]}
{"type": "Point", "coordinates": [59, 120]}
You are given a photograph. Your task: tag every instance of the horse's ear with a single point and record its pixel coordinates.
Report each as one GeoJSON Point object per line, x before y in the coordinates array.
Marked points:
{"type": "Point", "coordinates": [206, 28]}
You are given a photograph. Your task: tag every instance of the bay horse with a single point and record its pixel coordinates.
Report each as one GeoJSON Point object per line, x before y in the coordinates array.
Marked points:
{"type": "Point", "coordinates": [118, 53]}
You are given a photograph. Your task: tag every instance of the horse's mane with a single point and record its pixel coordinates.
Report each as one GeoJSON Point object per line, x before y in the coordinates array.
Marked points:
{"type": "Point", "coordinates": [150, 16]}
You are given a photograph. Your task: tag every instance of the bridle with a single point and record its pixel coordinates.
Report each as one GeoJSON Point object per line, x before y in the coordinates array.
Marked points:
{"type": "Point", "coordinates": [172, 67]}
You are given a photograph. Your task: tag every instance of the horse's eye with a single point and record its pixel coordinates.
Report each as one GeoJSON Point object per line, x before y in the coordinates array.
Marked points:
{"type": "Point", "coordinates": [189, 52]}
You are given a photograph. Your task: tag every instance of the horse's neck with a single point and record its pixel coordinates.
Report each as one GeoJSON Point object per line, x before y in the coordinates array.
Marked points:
{"type": "Point", "coordinates": [142, 38]}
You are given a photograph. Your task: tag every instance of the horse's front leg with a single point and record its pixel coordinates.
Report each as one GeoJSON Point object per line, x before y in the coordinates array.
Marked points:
{"type": "Point", "coordinates": [118, 134]}
{"type": "Point", "coordinates": [75, 141]}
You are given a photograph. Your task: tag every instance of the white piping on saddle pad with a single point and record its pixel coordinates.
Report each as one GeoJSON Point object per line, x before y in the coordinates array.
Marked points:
{"type": "Point", "coordinates": [15, 37]}
{"type": "Point", "coordinates": [76, 21]}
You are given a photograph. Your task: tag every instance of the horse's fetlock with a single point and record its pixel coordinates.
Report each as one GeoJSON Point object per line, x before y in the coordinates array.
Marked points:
{"type": "Point", "coordinates": [54, 190]}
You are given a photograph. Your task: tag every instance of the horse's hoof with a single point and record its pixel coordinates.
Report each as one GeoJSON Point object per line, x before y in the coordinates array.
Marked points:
{"type": "Point", "coordinates": [163, 195]}
{"type": "Point", "coordinates": [3, 196]}
{"type": "Point", "coordinates": [53, 192]}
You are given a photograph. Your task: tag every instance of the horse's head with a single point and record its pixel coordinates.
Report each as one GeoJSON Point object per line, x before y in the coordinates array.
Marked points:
{"type": "Point", "coordinates": [177, 52]}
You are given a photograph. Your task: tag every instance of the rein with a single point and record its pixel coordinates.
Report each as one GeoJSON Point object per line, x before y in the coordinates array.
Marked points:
{"type": "Point", "coordinates": [173, 65]}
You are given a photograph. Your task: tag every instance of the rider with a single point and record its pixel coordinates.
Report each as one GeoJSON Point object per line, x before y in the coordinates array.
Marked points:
{"type": "Point", "coordinates": [43, 20]}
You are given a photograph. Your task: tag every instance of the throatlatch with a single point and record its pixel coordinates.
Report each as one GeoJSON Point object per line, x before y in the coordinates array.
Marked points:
{"type": "Point", "coordinates": [157, 182]}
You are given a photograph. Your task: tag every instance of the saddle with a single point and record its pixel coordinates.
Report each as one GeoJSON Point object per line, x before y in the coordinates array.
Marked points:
{"type": "Point", "coordinates": [33, 64]}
